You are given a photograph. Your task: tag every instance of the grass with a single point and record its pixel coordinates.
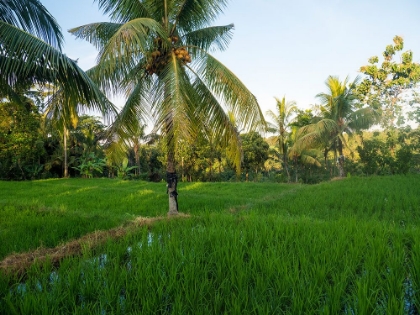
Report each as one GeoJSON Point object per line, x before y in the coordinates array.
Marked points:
{"type": "Point", "coordinates": [46, 213]}
{"type": "Point", "coordinates": [344, 247]}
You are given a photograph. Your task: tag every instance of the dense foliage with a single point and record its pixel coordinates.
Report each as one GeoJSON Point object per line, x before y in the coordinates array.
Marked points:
{"type": "Point", "coordinates": [30, 149]}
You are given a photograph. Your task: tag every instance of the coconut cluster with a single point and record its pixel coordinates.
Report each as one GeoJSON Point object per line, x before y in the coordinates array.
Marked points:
{"type": "Point", "coordinates": [182, 53]}
{"type": "Point", "coordinates": [161, 56]}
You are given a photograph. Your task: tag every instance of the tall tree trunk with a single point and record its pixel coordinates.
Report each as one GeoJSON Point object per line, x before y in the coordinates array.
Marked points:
{"type": "Point", "coordinates": [172, 182]}
{"type": "Point", "coordinates": [171, 176]}
{"type": "Point", "coordinates": [340, 159]}
{"type": "Point", "coordinates": [136, 149]}
{"type": "Point", "coordinates": [285, 165]}
{"type": "Point", "coordinates": [66, 166]}
{"type": "Point", "coordinates": [326, 160]}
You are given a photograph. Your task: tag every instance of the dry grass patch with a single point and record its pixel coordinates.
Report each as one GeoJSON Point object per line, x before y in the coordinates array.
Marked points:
{"type": "Point", "coordinates": [20, 262]}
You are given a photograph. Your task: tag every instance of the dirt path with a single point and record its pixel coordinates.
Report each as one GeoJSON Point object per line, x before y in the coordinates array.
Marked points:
{"type": "Point", "coordinates": [19, 263]}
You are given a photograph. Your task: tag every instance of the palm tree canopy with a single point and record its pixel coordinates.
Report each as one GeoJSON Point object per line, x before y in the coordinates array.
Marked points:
{"type": "Point", "coordinates": [339, 115]}
{"type": "Point", "coordinates": [157, 54]}
{"type": "Point", "coordinates": [282, 120]}
{"type": "Point", "coordinates": [26, 60]}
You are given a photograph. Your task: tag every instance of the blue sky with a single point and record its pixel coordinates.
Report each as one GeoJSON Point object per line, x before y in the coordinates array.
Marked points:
{"type": "Point", "coordinates": [284, 48]}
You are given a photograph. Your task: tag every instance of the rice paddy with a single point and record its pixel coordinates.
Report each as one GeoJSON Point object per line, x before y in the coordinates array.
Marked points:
{"type": "Point", "coordinates": [344, 247]}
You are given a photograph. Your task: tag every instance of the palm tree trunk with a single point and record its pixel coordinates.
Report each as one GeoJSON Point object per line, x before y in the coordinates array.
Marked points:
{"type": "Point", "coordinates": [296, 170]}
{"type": "Point", "coordinates": [172, 182]}
{"type": "Point", "coordinates": [286, 167]}
{"type": "Point", "coordinates": [340, 159]}
{"type": "Point", "coordinates": [326, 160]}
{"type": "Point", "coordinates": [137, 158]}
{"type": "Point", "coordinates": [171, 176]}
{"type": "Point", "coordinates": [66, 166]}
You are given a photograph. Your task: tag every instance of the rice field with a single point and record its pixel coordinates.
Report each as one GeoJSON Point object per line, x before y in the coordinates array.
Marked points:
{"type": "Point", "coordinates": [343, 247]}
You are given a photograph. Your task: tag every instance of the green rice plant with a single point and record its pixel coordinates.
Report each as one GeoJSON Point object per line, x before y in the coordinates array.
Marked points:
{"type": "Point", "coordinates": [263, 255]}
{"type": "Point", "coordinates": [230, 264]}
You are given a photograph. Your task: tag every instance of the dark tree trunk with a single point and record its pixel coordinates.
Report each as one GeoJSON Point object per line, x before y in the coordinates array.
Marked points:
{"type": "Point", "coordinates": [136, 150]}
{"type": "Point", "coordinates": [171, 176]}
{"type": "Point", "coordinates": [172, 182]}
{"type": "Point", "coordinates": [340, 159]}
{"type": "Point", "coordinates": [66, 166]}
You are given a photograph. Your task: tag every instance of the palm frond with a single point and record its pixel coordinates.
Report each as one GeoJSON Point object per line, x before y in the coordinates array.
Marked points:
{"type": "Point", "coordinates": [190, 15]}
{"type": "Point", "coordinates": [98, 34]}
{"type": "Point", "coordinates": [271, 115]}
{"type": "Point", "coordinates": [363, 118]}
{"type": "Point", "coordinates": [219, 121]}
{"type": "Point", "coordinates": [123, 11]}
{"type": "Point", "coordinates": [210, 38]}
{"type": "Point", "coordinates": [136, 109]}
{"type": "Point", "coordinates": [316, 135]}
{"type": "Point", "coordinates": [26, 57]}
{"type": "Point", "coordinates": [171, 102]}
{"type": "Point", "coordinates": [309, 160]}
{"type": "Point", "coordinates": [31, 16]}
{"type": "Point", "coordinates": [131, 39]}
{"type": "Point", "coordinates": [231, 91]}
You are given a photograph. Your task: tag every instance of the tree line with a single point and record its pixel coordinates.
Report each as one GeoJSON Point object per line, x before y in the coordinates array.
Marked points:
{"type": "Point", "coordinates": [31, 148]}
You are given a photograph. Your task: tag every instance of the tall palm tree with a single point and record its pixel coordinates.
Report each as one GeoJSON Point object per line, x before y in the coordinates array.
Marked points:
{"type": "Point", "coordinates": [156, 52]}
{"type": "Point", "coordinates": [339, 115]}
{"type": "Point", "coordinates": [30, 53]}
{"type": "Point", "coordinates": [62, 113]}
{"type": "Point", "coordinates": [283, 118]}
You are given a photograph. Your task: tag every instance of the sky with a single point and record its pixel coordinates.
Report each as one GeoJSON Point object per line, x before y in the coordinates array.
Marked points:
{"type": "Point", "coordinates": [283, 48]}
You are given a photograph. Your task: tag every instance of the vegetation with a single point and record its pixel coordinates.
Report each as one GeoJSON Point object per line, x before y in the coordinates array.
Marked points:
{"type": "Point", "coordinates": [344, 247]}
{"type": "Point", "coordinates": [43, 138]}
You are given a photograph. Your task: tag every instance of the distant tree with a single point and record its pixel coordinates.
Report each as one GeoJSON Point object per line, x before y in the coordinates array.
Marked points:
{"type": "Point", "coordinates": [21, 141]}
{"type": "Point", "coordinates": [255, 152]}
{"type": "Point", "coordinates": [387, 86]}
{"type": "Point", "coordinates": [389, 152]}
{"type": "Point", "coordinates": [282, 128]}
{"type": "Point", "coordinates": [371, 155]}
{"type": "Point", "coordinates": [301, 154]}
{"type": "Point", "coordinates": [339, 114]}
{"type": "Point", "coordinates": [303, 118]}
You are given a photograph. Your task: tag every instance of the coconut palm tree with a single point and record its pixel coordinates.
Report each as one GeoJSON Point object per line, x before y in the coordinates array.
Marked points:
{"type": "Point", "coordinates": [339, 115]}
{"type": "Point", "coordinates": [157, 52]}
{"type": "Point", "coordinates": [282, 127]}
{"type": "Point", "coordinates": [30, 53]}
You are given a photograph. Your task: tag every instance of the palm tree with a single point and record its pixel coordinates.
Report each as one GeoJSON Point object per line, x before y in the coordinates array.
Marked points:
{"type": "Point", "coordinates": [62, 113]}
{"type": "Point", "coordinates": [339, 115]}
{"type": "Point", "coordinates": [30, 53]}
{"type": "Point", "coordinates": [156, 52]}
{"type": "Point", "coordinates": [282, 127]}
